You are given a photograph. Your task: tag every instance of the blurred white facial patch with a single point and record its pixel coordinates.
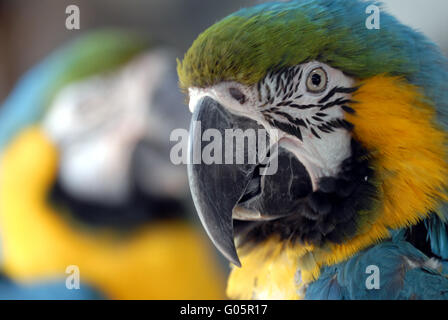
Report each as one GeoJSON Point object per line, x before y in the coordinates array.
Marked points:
{"type": "Point", "coordinates": [97, 123]}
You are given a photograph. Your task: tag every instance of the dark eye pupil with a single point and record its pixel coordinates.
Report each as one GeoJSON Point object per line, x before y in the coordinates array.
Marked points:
{"type": "Point", "coordinates": [316, 79]}
{"type": "Point", "coordinates": [237, 95]}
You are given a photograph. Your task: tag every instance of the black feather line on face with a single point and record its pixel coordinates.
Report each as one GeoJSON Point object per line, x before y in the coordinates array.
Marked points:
{"type": "Point", "coordinates": [337, 90]}
{"type": "Point", "coordinates": [286, 87]}
{"type": "Point", "coordinates": [329, 214]}
{"type": "Point", "coordinates": [286, 127]}
{"type": "Point", "coordinates": [314, 133]}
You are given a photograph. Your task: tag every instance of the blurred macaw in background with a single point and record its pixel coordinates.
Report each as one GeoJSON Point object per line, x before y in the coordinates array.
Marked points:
{"type": "Point", "coordinates": [86, 178]}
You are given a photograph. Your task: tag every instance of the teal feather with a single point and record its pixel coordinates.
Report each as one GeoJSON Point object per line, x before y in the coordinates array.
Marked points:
{"type": "Point", "coordinates": [54, 289]}
{"type": "Point", "coordinates": [404, 273]}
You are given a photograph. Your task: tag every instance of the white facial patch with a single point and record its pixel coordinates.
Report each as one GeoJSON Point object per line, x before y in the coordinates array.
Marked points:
{"type": "Point", "coordinates": [305, 104]}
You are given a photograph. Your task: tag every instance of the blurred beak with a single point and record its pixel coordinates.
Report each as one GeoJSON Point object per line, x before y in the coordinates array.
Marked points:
{"type": "Point", "coordinates": [234, 190]}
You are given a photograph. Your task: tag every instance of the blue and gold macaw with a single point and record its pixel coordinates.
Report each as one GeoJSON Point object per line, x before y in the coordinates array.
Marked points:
{"type": "Point", "coordinates": [355, 206]}
{"type": "Point", "coordinates": [86, 179]}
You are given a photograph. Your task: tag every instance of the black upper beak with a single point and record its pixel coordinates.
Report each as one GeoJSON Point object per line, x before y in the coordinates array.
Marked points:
{"type": "Point", "coordinates": [217, 188]}
{"type": "Point", "coordinates": [220, 190]}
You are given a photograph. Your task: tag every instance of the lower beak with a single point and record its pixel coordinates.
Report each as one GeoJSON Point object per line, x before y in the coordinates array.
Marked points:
{"type": "Point", "coordinates": [231, 188]}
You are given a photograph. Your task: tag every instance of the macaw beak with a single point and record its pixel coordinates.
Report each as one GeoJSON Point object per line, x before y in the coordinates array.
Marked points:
{"type": "Point", "coordinates": [270, 187]}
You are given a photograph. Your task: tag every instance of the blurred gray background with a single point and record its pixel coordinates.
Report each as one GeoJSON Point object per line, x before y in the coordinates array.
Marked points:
{"type": "Point", "coordinates": [30, 29]}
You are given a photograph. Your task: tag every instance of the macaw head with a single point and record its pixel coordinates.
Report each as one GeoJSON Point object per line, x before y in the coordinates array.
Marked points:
{"type": "Point", "coordinates": [107, 102]}
{"type": "Point", "coordinates": [355, 123]}
{"type": "Point", "coordinates": [112, 131]}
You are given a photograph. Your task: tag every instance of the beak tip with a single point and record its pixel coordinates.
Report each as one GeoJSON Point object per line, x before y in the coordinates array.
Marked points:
{"type": "Point", "coordinates": [233, 258]}
{"type": "Point", "coordinates": [237, 263]}
{"type": "Point", "coordinates": [229, 251]}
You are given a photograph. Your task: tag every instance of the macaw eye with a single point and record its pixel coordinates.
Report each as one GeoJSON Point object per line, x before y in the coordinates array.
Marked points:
{"type": "Point", "coordinates": [237, 95]}
{"type": "Point", "coordinates": [317, 80]}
